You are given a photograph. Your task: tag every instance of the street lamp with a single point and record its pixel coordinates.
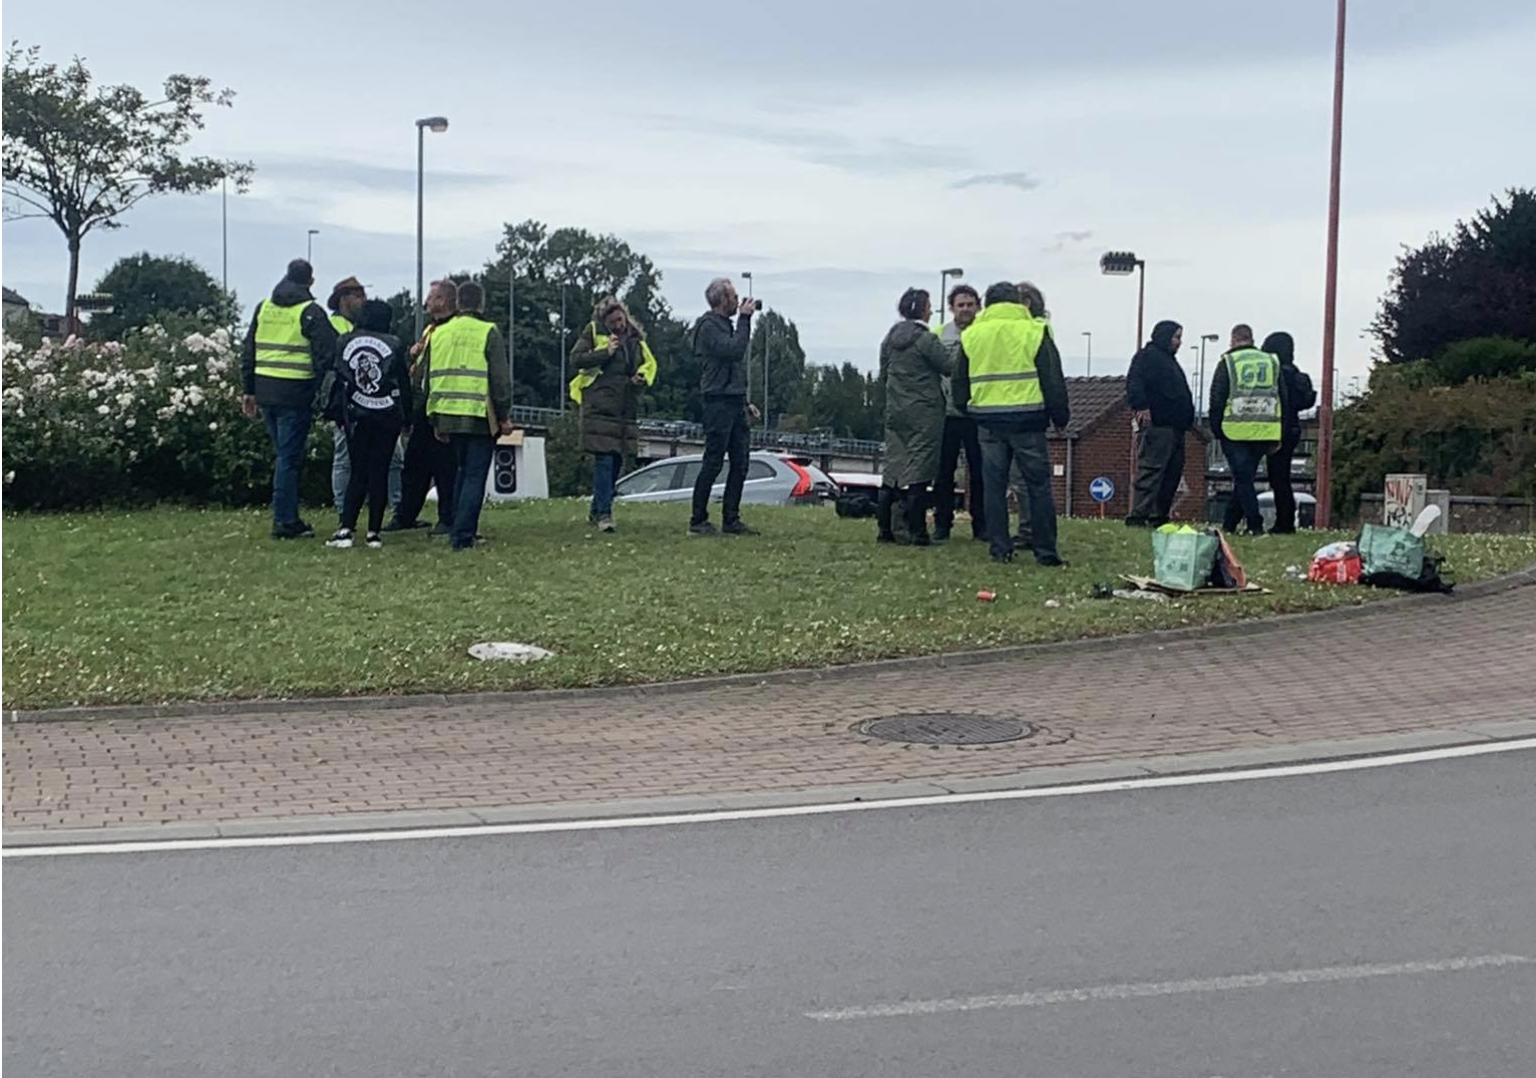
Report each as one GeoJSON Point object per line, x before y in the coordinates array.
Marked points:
{"type": "Point", "coordinates": [1200, 397]}
{"type": "Point", "coordinates": [564, 285]}
{"type": "Point", "coordinates": [944, 277]}
{"type": "Point", "coordinates": [1123, 264]}
{"type": "Point", "coordinates": [309, 245]}
{"type": "Point", "coordinates": [437, 125]}
{"type": "Point", "coordinates": [746, 275]}
{"type": "Point", "coordinates": [1331, 284]}
{"type": "Point", "coordinates": [1089, 334]}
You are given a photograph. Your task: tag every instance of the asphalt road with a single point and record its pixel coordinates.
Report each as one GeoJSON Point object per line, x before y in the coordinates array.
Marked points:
{"type": "Point", "coordinates": [1372, 924]}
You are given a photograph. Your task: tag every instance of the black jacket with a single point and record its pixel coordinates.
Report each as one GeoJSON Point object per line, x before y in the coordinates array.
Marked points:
{"type": "Point", "coordinates": [1053, 386]}
{"type": "Point", "coordinates": [376, 382]}
{"type": "Point", "coordinates": [317, 329]}
{"type": "Point", "coordinates": [1157, 383]}
{"type": "Point", "coordinates": [722, 348]}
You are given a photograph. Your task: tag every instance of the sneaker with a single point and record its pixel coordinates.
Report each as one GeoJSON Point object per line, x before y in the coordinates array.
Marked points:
{"type": "Point", "coordinates": [440, 529]}
{"type": "Point", "coordinates": [605, 524]}
{"type": "Point", "coordinates": [342, 540]}
{"type": "Point", "coordinates": [375, 542]}
{"type": "Point", "coordinates": [739, 527]}
{"type": "Point", "coordinates": [1052, 562]}
{"type": "Point", "coordinates": [398, 525]}
{"type": "Point", "coordinates": [294, 530]}
{"type": "Point", "coordinates": [479, 539]}
{"type": "Point", "coordinates": [705, 528]}
{"type": "Point", "coordinates": [305, 529]}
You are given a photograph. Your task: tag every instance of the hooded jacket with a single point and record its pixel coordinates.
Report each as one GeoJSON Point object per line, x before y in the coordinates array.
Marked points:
{"type": "Point", "coordinates": [318, 331]}
{"type": "Point", "coordinates": [1299, 394]}
{"type": "Point", "coordinates": [1157, 383]}
{"type": "Point", "coordinates": [913, 364]}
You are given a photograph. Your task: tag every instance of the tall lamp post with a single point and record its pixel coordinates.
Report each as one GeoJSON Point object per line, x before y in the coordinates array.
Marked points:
{"type": "Point", "coordinates": [1331, 284]}
{"type": "Point", "coordinates": [224, 224]}
{"type": "Point", "coordinates": [1088, 333]}
{"type": "Point", "coordinates": [1123, 264]}
{"type": "Point", "coordinates": [565, 284]}
{"type": "Point", "coordinates": [1205, 338]}
{"type": "Point", "coordinates": [309, 245]}
{"type": "Point", "coordinates": [944, 278]}
{"type": "Point", "coordinates": [437, 125]}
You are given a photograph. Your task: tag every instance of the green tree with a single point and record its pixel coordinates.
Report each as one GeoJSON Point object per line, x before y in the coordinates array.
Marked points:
{"type": "Point", "coordinates": [82, 156]}
{"type": "Point", "coordinates": [778, 339]}
{"type": "Point", "coordinates": [145, 286]}
{"type": "Point", "coordinates": [1478, 282]}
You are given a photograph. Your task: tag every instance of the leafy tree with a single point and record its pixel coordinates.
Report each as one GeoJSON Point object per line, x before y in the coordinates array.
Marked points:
{"type": "Point", "coordinates": [778, 339]}
{"type": "Point", "coordinates": [146, 286]}
{"type": "Point", "coordinates": [82, 156]}
{"type": "Point", "coordinates": [1478, 282]}
{"type": "Point", "coordinates": [1484, 357]}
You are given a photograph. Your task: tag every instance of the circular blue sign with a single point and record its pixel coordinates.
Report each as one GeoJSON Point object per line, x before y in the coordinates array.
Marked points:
{"type": "Point", "coordinates": [1102, 489]}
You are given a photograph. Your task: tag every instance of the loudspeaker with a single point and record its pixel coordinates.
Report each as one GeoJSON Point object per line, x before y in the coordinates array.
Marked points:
{"type": "Point", "coordinates": [504, 470]}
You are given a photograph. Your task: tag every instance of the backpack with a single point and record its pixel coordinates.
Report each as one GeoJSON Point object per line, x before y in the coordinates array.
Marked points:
{"type": "Point", "coordinates": [1299, 388]}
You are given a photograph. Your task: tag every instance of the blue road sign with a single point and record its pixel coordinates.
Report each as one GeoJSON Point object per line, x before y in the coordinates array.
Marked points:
{"type": "Point", "coordinates": [1102, 489]}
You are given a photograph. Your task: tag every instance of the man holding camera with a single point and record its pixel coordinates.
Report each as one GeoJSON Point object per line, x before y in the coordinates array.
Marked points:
{"type": "Point", "coordinates": [721, 346]}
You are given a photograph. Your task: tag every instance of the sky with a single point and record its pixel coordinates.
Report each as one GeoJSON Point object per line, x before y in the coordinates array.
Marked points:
{"type": "Point", "coordinates": [838, 155]}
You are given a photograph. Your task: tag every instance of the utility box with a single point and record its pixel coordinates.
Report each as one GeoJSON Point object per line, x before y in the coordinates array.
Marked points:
{"type": "Point", "coordinates": [1405, 498]}
{"type": "Point", "coordinates": [518, 470]}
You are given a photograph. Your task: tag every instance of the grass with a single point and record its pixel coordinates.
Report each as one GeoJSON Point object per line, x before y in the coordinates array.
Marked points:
{"type": "Point", "coordinates": [177, 604]}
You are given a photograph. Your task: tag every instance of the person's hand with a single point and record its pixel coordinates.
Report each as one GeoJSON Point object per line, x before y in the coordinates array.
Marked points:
{"type": "Point", "coordinates": [248, 406]}
{"type": "Point", "coordinates": [753, 412]}
{"type": "Point", "coordinates": [416, 349]}
{"type": "Point", "coordinates": [613, 345]}
{"type": "Point", "coordinates": [440, 436]}
{"type": "Point", "coordinates": [505, 427]}
{"type": "Point", "coordinates": [1143, 417]}
{"type": "Point", "coordinates": [749, 307]}
{"type": "Point", "coordinates": [638, 380]}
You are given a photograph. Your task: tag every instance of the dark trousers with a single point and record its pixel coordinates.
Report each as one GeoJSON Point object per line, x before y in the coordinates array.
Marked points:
{"type": "Point", "coordinates": [370, 450]}
{"type": "Point", "coordinates": [1001, 445]}
{"type": "Point", "coordinates": [472, 464]}
{"type": "Point", "coordinates": [959, 434]}
{"type": "Point", "coordinates": [1279, 464]}
{"type": "Point", "coordinates": [914, 511]}
{"type": "Point", "coordinates": [289, 430]}
{"type": "Point", "coordinates": [1243, 459]}
{"type": "Point", "coordinates": [725, 434]}
{"type": "Point", "coordinates": [428, 463]}
{"type": "Point", "coordinates": [1159, 467]}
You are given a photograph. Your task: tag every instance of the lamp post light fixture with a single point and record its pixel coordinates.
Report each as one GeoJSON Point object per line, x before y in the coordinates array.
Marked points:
{"type": "Point", "coordinates": [944, 279]}
{"type": "Point", "coordinates": [1123, 264]}
{"type": "Point", "coordinates": [437, 125]}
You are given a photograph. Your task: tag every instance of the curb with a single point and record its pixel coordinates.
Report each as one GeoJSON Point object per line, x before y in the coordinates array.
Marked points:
{"type": "Point", "coordinates": [1061, 775]}
{"type": "Point", "coordinates": [1157, 638]}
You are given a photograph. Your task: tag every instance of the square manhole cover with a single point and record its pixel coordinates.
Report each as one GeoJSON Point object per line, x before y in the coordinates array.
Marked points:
{"type": "Point", "coordinates": [946, 728]}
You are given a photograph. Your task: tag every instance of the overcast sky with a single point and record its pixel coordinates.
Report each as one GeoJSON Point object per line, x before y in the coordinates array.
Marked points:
{"type": "Point", "coordinates": [840, 157]}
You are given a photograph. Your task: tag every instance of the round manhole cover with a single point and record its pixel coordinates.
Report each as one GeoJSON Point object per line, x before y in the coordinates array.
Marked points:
{"type": "Point", "coordinates": [945, 728]}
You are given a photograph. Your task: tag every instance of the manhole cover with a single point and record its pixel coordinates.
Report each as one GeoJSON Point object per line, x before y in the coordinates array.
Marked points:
{"type": "Point", "coordinates": [944, 728]}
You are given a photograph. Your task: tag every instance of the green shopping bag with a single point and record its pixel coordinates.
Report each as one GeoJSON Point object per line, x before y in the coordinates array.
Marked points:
{"type": "Point", "coordinates": [1390, 550]}
{"type": "Point", "coordinates": [1182, 558]}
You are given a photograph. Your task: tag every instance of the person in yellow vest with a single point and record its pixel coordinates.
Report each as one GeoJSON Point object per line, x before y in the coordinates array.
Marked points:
{"type": "Point", "coordinates": [1247, 412]}
{"type": "Point", "coordinates": [469, 402]}
{"type": "Point", "coordinates": [613, 366]}
{"type": "Point", "coordinates": [289, 345]}
{"type": "Point", "coordinates": [345, 302]}
{"type": "Point", "coordinates": [428, 462]}
{"type": "Point", "coordinates": [1008, 376]}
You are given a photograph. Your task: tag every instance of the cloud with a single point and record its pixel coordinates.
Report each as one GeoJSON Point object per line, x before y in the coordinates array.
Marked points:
{"type": "Point", "coordinates": [863, 156]}
{"type": "Point", "coordinates": [1062, 239]}
{"type": "Point", "coordinates": [331, 172]}
{"type": "Point", "coordinates": [1021, 181]}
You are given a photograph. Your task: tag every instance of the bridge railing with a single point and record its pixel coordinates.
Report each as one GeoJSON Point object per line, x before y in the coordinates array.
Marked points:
{"type": "Point", "coordinates": [682, 431]}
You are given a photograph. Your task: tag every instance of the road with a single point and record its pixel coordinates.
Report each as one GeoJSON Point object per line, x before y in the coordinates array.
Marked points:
{"type": "Point", "coordinates": [1370, 924]}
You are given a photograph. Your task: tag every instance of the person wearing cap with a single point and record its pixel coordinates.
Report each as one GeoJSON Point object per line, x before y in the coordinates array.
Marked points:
{"type": "Point", "coordinates": [289, 346]}
{"type": "Point", "coordinates": [345, 301]}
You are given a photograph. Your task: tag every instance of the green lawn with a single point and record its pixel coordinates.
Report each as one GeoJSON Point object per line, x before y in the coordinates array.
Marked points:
{"type": "Point", "coordinates": [187, 605]}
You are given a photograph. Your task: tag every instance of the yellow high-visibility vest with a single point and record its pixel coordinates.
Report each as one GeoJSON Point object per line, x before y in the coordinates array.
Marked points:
{"type": "Point", "coordinates": [586, 377]}
{"type": "Point", "coordinates": [282, 350]}
{"type": "Point", "coordinates": [458, 378]}
{"type": "Point", "coordinates": [1000, 347]}
{"type": "Point", "coordinates": [1253, 397]}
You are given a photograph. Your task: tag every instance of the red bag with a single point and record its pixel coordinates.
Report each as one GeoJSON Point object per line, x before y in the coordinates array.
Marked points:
{"type": "Point", "coordinates": [1338, 563]}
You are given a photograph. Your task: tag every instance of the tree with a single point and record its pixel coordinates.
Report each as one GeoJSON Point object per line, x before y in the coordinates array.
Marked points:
{"type": "Point", "coordinates": [778, 338]}
{"type": "Point", "coordinates": [1478, 282]}
{"type": "Point", "coordinates": [144, 286]}
{"type": "Point", "coordinates": [81, 157]}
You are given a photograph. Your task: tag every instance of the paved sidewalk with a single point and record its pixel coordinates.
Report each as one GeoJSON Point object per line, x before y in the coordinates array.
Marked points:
{"type": "Point", "coordinates": [1426, 665]}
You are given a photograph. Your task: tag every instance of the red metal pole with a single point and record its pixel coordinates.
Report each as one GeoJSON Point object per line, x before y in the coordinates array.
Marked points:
{"type": "Point", "coordinates": [1331, 290]}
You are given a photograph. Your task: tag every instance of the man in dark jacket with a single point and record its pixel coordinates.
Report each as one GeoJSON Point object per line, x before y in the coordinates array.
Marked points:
{"type": "Point", "coordinates": [1157, 391]}
{"type": "Point", "coordinates": [959, 431]}
{"type": "Point", "coordinates": [722, 346]}
{"type": "Point", "coordinates": [289, 345]}
{"type": "Point", "coordinates": [1259, 401]}
{"type": "Point", "coordinates": [1008, 376]}
{"type": "Point", "coordinates": [428, 463]}
{"type": "Point", "coordinates": [1299, 396]}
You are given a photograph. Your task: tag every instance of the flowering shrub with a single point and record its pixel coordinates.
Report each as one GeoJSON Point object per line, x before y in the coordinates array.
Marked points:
{"type": "Point", "coordinates": [153, 417]}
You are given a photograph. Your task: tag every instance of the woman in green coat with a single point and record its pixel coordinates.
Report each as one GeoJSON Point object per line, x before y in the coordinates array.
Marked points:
{"type": "Point", "coordinates": [913, 362]}
{"type": "Point", "coordinates": [613, 366]}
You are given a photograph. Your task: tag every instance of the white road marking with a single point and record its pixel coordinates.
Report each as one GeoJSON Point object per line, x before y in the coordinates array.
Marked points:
{"type": "Point", "coordinates": [619, 823]}
{"type": "Point", "coordinates": [1106, 992]}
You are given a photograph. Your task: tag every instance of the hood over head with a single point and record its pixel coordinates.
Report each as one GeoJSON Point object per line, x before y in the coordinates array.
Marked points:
{"type": "Point", "coordinates": [1281, 346]}
{"type": "Point", "coordinates": [1162, 334]}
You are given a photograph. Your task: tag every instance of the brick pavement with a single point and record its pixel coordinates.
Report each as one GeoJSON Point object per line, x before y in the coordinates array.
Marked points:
{"type": "Point", "coordinates": [1425, 665]}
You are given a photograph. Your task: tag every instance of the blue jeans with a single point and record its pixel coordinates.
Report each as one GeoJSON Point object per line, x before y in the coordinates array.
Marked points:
{"type": "Point", "coordinates": [605, 472]}
{"type": "Point", "coordinates": [1244, 458]}
{"type": "Point", "coordinates": [472, 457]}
{"type": "Point", "coordinates": [289, 429]}
{"type": "Point", "coordinates": [341, 471]}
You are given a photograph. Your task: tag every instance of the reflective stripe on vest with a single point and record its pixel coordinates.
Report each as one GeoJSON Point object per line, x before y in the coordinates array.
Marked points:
{"type": "Point", "coordinates": [281, 348]}
{"type": "Point", "coordinates": [1000, 348]}
{"type": "Point", "coordinates": [584, 378]}
{"type": "Point", "coordinates": [458, 378]}
{"type": "Point", "coordinates": [1253, 397]}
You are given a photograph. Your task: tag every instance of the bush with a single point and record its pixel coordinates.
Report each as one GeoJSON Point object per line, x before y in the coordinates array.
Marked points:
{"type": "Point", "coordinates": [153, 417]}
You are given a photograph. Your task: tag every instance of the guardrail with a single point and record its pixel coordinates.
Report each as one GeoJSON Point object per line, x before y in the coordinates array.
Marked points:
{"type": "Point", "coordinates": [680, 430]}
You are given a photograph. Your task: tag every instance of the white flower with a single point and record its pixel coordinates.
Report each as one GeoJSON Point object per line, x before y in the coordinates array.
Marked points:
{"type": "Point", "coordinates": [213, 426]}
{"type": "Point", "coordinates": [125, 400]}
{"type": "Point", "coordinates": [102, 409]}
{"type": "Point", "coordinates": [10, 476]}
{"type": "Point", "coordinates": [92, 394]}
{"type": "Point", "coordinates": [130, 422]}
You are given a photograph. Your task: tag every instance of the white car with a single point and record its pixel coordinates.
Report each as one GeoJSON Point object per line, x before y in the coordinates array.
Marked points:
{"type": "Point", "coordinates": [772, 479]}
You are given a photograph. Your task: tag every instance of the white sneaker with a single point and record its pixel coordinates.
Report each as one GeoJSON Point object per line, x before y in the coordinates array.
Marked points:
{"type": "Point", "coordinates": [374, 542]}
{"type": "Point", "coordinates": [342, 540]}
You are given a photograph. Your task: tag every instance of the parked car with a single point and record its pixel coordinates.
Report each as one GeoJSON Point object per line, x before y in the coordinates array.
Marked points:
{"type": "Point", "coordinates": [772, 479]}
{"type": "Point", "coordinates": [1306, 509]}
